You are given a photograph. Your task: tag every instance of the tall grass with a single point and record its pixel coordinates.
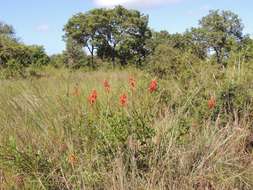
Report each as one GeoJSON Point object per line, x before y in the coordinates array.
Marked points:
{"type": "Point", "coordinates": [52, 138]}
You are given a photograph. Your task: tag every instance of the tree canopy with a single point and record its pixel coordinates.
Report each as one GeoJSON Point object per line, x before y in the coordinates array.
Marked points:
{"type": "Point", "coordinates": [219, 31]}
{"type": "Point", "coordinates": [121, 35]}
{"type": "Point", "coordinates": [111, 33]}
{"type": "Point", "coordinates": [13, 50]}
{"type": "Point", "coordinates": [6, 29]}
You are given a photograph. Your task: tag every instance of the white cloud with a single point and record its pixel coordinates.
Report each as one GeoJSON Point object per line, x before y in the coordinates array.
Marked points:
{"type": "Point", "coordinates": [205, 8]}
{"type": "Point", "coordinates": [42, 28]}
{"type": "Point", "coordinates": [197, 12]}
{"type": "Point", "coordinates": [132, 3]}
{"type": "Point", "coordinates": [190, 12]}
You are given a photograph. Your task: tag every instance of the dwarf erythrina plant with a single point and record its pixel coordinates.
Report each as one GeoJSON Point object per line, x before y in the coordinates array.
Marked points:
{"type": "Point", "coordinates": [132, 83]}
{"type": "Point", "coordinates": [107, 86]}
{"type": "Point", "coordinates": [153, 86]}
{"type": "Point", "coordinates": [123, 100]}
{"type": "Point", "coordinates": [211, 103]}
{"type": "Point", "coordinates": [92, 97]}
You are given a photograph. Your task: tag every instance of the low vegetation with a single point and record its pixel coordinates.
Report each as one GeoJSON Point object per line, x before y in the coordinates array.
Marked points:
{"type": "Point", "coordinates": [127, 130]}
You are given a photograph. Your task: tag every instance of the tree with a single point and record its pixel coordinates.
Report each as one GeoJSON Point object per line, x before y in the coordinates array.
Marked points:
{"type": "Point", "coordinates": [219, 30]}
{"type": "Point", "coordinates": [6, 38]}
{"type": "Point", "coordinates": [126, 35]}
{"type": "Point", "coordinates": [195, 43]}
{"type": "Point", "coordinates": [10, 49]}
{"type": "Point", "coordinates": [111, 33]}
{"type": "Point", "coordinates": [15, 53]}
{"type": "Point", "coordinates": [6, 29]}
{"type": "Point", "coordinates": [167, 62]}
{"type": "Point", "coordinates": [85, 29]}
{"type": "Point", "coordinates": [37, 55]}
{"type": "Point", "coordinates": [242, 52]}
{"type": "Point", "coordinates": [24, 55]}
{"type": "Point", "coordinates": [157, 38]}
{"type": "Point", "coordinates": [247, 48]}
{"type": "Point", "coordinates": [74, 55]}
{"type": "Point", "coordinates": [58, 60]}
{"type": "Point", "coordinates": [186, 42]}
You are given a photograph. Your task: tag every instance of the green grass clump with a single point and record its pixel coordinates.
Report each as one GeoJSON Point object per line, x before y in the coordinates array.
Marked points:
{"type": "Point", "coordinates": [53, 138]}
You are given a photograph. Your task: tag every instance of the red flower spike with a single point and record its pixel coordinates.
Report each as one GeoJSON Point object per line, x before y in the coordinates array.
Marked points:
{"type": "Point", "coordinates": [211, 103]}
{"type": "Point", "coordinates": [153, 86]}
{"type": "Point", "coordinates": [123, 100]}
{"type": "Point", "coordinates": [92, 97]}
{"type": "Point", "coordinates": [132, 83]}
{"type": "Point", "coordinates": [107, 86]}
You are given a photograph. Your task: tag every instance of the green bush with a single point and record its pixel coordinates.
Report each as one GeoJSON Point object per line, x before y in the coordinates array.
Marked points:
{"type": "Point", "coordinates": [13, 70]}
{"type": "Point", "coordinates": [168, 62]}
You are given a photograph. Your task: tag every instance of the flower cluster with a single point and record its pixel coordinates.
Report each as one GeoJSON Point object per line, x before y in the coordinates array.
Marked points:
{"type": "Point", "coordinates": [123, 97]}
{"type": "Point", "coordinates": [107, 86]}
{"type": "Point", "coordinates": [211, 103]}
{"type": "Point", "coordinates": [123, 100]}
{"type": "Point", "coordinates": [92, 97]}
{"type": "Point", "coordinates": [132, 83]}
{"type": "Point", "coordinates": [153, 86]}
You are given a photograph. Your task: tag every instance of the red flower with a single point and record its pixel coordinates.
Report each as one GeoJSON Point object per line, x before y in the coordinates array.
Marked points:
{"type": "Point", "coordinates": [107, 86]}
{"type": "Point", "coordinates": [92, 97]}
{"type": "Point", "coordinates": [132, 83]}
{"type": "Point", "coordinates": [211, 103]}
{"type": "Point", "coordinates": [123, 100]}
{"type": "Point", "coordinates": [153, 86]}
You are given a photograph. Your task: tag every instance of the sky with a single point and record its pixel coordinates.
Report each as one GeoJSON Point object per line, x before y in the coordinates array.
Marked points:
{"type": "Point", "coordinates": [41, 22]}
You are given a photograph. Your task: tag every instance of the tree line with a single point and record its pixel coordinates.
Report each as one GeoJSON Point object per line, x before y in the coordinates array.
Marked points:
{"type": "Point", "coordinates": [121, 36]}
{"type": "Point", "coordinates": [12, 51]}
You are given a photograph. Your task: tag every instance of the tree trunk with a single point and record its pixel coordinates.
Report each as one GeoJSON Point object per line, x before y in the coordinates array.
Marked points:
{"type": "Point", "coordinates": [113, 55]}
{"type": "Point", "coordinates": [91, 50]}
{"type": "Point", "coordinates": [218, 55]}
{"type": "Point", "coordinates": [92, 58]}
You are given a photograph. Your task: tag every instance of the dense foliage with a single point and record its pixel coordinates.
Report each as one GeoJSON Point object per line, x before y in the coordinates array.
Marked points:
{"type": "Point", "coordinates": [15, 56]}
{"type": "Point", "coordinates": [111, 33]}
{"type": "Point", "coordinates": [122, 37]}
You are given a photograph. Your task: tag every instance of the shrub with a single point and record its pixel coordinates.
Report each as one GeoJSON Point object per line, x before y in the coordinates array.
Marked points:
{"type": "Point", "coordinates": [57, 60]}
{"type": "Point", "coordinates": [167, 62]}
{"type": "Point", "coordinates": [13, 70]}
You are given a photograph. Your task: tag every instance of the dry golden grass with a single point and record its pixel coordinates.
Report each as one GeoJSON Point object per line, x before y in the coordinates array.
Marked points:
{"type": "Point", "coordinates": [52, 138]}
